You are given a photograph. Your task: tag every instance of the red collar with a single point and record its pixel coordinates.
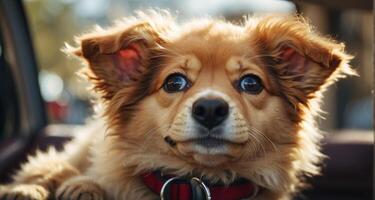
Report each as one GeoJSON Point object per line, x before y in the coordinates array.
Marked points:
{"type": "Point", "coordinates": [181, 188]}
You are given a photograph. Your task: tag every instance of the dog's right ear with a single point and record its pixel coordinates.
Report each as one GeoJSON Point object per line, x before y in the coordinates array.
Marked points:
{"type": "Point", "coordinates": [304, 62]}
{"type": "Point", "coordinates": [116, 58]}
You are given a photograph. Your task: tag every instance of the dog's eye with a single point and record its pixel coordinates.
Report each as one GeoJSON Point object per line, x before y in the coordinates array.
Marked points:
{"type": "Point", "coordinates": [175, 83]}
{"type": "Point", "coordinates": [251, 84]}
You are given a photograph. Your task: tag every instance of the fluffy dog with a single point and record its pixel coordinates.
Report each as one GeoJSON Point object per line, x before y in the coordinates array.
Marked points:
{"type": "Point", "coordinates": [209, 99]}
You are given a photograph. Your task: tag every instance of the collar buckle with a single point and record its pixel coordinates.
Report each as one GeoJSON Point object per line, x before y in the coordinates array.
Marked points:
{"type": "Point", "coordinates": [196, 184]}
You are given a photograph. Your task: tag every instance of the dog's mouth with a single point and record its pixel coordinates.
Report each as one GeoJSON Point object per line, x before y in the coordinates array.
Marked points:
{"type": "Point", "coordinates": [210, 142]}
{"type": "Point", "coordinates": [208, 150]}
{"type": "Point", "coordinates": [207, 142]}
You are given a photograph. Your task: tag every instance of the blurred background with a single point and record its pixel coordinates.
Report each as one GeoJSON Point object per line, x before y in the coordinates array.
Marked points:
{"type": "Point", "coordinates": [348, 104]}
{"type": "Point", "coordinates": [24, 127]}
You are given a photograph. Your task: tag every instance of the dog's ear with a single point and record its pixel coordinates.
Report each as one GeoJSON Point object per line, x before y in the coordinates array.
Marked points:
{"type": "Point", "coordinates": [303, 61]}
{"type": "Point", "coordinates": [118, 56]}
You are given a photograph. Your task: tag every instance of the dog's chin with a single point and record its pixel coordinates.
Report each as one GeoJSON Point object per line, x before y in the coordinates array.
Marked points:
{"type": "Point", "coordinates": [210, 160]}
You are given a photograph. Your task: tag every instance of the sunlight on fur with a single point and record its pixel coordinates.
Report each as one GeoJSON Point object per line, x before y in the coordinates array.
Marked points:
{"type": "Point", "coordinates": [154, 77]}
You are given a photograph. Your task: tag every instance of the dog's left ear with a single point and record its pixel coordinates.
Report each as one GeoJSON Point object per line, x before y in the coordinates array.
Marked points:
{"type": "Point", "coordinates": [303, 61]}
{"type": "Point", "coordinates": [117, 57]}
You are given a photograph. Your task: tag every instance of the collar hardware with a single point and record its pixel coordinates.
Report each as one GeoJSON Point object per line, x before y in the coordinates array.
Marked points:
{"type": "Point", "coordinates": [198, 189]}
{"type": "Point", "coordinates": [170, 187]}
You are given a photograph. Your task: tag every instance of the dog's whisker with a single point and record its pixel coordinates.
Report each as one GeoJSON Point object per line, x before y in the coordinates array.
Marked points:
{"type": "Point", "coordinates": [256, 147]}
{"type": "Point", "coordinates": [253, 132]}
{"type": "Point", "coordinates": [257, 131]}
{"type": "Point", "coordinates": [260, 146]}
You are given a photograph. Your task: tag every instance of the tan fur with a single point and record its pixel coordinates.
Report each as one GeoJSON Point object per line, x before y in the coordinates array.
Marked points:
{"type": "Point", "coordinates": [274, 140]}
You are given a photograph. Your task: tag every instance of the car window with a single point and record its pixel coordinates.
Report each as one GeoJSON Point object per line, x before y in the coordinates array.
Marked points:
{"type": "Point", "coordinates": [2, 114]}
{"type": "Point", "coordinates": [8, 99]}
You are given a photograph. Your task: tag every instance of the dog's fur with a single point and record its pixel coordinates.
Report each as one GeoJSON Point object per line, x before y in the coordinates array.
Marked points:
{"type": "Point", "coordinates": [274, 139]}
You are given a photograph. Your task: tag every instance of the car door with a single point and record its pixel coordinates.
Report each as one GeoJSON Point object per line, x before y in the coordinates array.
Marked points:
{"type": "Point", "coordinates": [22, 114]}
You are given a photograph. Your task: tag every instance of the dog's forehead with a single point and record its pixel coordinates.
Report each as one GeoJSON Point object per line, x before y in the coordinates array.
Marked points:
{"type": "Point", "coordinates": [206, 38]}
{"type": "Point", "coordinates": [213, 45]}
{"type": "Point", "coordinates": [232, 64]}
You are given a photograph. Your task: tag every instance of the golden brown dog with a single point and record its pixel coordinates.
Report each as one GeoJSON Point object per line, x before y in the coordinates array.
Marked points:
{"type": "Point", "coordinates": [207, 99]}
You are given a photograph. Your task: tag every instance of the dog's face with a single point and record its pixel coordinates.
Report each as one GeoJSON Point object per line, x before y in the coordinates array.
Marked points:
{"type": "Point", "coordinates": [216, 100]}
{"type": "Point", "coordinates": [211, 93]}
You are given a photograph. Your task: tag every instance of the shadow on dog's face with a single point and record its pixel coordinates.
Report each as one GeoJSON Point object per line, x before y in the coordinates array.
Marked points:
{"type": "Point", "coordinates": [211, 93]}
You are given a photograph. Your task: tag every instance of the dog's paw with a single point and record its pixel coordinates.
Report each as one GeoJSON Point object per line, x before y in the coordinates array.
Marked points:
{"type": "Point", "coordinates": [23, 192]}
{"type": "Point", "coordinates": [80, 188]}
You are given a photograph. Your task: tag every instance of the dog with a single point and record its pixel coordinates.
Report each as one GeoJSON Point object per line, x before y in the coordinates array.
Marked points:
{"type": "Point", "coordinates": [198, 110]}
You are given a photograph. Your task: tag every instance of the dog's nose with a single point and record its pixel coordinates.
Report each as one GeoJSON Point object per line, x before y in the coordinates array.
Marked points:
{"type": "Point", "coordinates": [210, 112]}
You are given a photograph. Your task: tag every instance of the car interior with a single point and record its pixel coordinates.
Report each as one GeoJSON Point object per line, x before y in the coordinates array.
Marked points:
{"type": "Point", "coordinates": [24, 127]}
